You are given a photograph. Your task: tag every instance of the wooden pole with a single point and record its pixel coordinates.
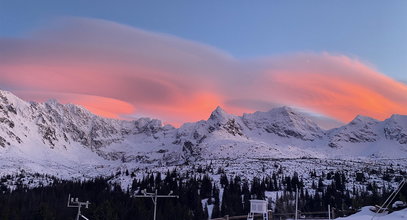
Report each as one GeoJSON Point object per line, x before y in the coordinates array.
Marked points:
{"type": "Point", "coordinates": [329, 212]}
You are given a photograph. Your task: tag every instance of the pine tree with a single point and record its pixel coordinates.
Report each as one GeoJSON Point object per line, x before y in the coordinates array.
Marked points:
{"type": "Point", "coordinates": [216, 204]}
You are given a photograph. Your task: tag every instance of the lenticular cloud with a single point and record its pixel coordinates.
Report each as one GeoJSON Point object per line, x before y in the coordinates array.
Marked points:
{"type": "Point", "coordinates": [119, 71]}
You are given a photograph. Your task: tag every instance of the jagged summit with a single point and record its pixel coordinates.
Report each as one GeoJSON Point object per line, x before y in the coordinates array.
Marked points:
{"type": "Point", "coordinates": [219, 114]}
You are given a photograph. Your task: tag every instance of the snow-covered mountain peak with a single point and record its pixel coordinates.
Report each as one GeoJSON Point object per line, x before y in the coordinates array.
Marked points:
{"type": "Point", "coordinates": [362, 129]}
{"type": "Point", "coordinates": [294, 118]}
{"type": "Point", "coordinates": [402, 119]}
{"type": "Point", "coordinates": [395, 128]}
{"type": "Point", "coordinates": [9, 100]}
{"type": "Point", "coordinates": [219, 114]}
{"type": "Point", "coordinates": [284, 122]}
{"type": "Point", "coordinates": [363, 120]}
{"type": "Point", "coordinates": [52, 102]}
{"type": "Point", "coordinates": [6, 95]}
{"type": "Point", "coordinates": [283, 110]}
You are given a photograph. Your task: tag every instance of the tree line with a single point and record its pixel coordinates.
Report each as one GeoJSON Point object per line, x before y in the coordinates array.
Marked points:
{"type": "Point", "coordinates": [200, 197]}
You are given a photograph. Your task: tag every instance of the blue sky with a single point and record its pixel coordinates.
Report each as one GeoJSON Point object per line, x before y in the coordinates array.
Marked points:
{"type": "Point", "coordinates": [372, 31]}
{"type": "Point", "coordinates": [178, 60]}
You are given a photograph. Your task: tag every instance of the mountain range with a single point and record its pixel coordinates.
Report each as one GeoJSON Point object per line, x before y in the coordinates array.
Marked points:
{"type": "Point", "coordinates": [65, 139]}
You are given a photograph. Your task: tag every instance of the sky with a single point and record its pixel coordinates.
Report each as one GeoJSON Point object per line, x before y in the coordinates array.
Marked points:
{"type": "Point", "coordinates": [178, 60]}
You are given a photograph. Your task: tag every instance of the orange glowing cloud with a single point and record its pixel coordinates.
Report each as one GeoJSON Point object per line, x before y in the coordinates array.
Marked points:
{"type": "Point", "coordinates": [335, 86]}
{"type": "Point", "coordinates": [106, 107]}
{"type": "Point", "coordinates": [102, 106]}
{"type": "Point", "coordinates": [192, 108]}
{"type": "Point", "coordinates": [119, 71]}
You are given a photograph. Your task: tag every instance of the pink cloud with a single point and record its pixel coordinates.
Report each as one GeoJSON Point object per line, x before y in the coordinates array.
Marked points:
{"type": "Point", "coordinates": [118, 71]}
{"type": "Point", "coordinates": [105, 107]}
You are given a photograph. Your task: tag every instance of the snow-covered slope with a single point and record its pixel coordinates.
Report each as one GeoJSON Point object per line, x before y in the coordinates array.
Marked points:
{"type": "Point", "coordinates": [69, 140]}
{"type": "Point", "coordinates": [366, 214]}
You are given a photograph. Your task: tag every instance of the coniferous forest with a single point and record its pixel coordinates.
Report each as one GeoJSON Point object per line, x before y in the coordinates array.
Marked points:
{"type": "Point", "coordinates": [197, 194]}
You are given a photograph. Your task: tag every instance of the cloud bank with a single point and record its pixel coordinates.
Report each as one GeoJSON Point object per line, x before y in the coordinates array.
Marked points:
{"type": "Point", "coordinates": [120, 71]}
